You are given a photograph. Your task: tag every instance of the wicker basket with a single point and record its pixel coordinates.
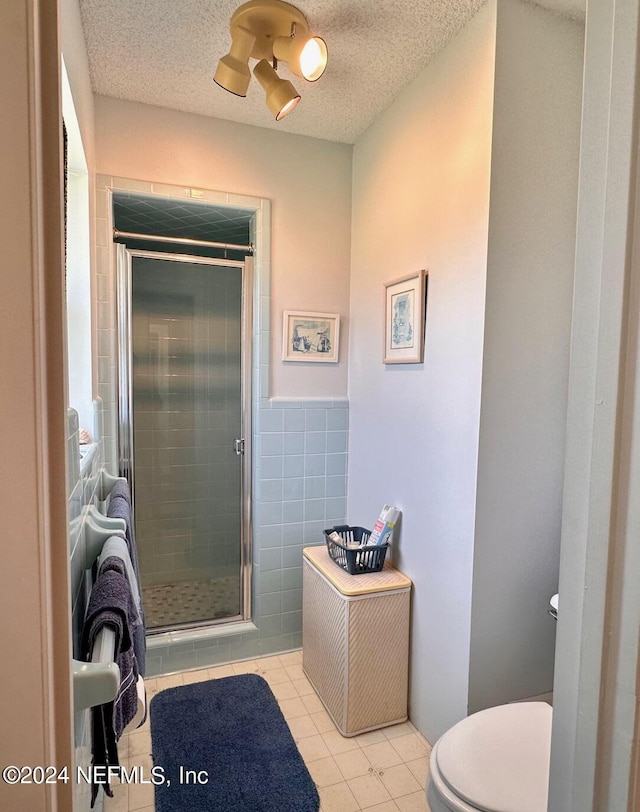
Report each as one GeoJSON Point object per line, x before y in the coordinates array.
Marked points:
{"type": "Point", "coordinates": [355, 560]}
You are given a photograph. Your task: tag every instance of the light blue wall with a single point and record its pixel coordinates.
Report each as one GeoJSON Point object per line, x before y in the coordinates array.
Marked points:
{"type": "Point", "coordinates": [421, 200]}
{"type": "Point", "coordinates": [471, 174]}
{"type": "Point", "coordinates": [523, 411]}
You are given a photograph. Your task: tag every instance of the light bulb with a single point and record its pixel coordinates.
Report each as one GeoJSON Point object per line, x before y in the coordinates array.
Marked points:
{"type": "Point", "coordinates": [313, 59]}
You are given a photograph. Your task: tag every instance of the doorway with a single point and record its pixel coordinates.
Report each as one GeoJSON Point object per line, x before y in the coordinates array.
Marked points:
{"type": "Point", "coordinates": [184, 429]}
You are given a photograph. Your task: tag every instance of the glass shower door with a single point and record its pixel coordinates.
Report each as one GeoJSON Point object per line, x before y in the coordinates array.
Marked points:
{"type": "Point", "coordinates": [187, 410]}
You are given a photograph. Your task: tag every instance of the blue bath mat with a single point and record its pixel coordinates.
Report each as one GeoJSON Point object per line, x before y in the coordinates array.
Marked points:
{"type": "Point", "coordinates": [224, 746]}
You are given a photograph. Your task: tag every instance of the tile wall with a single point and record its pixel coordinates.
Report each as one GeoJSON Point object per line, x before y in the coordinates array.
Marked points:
{"type": "Point", "coordinates": [300, 452]}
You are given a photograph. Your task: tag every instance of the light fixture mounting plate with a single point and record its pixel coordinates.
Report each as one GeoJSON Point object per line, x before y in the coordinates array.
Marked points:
{"type": "Point", "coordinates": [268, 19]}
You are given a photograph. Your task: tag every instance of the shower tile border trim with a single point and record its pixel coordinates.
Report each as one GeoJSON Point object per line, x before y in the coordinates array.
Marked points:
{"type": "Point", "coordinates": [192, 636]}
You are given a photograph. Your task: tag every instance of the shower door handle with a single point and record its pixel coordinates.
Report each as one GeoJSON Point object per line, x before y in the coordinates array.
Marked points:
{"type": "Point", "coordinates": [238, 446]}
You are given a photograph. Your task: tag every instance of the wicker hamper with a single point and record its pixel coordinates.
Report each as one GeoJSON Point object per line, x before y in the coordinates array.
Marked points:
{"type": "Point", "coordinates": [355, 642]}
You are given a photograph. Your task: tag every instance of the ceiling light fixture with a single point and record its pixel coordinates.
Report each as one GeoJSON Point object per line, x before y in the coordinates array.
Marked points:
{"type": "Point", "coordinates": [271, 31]}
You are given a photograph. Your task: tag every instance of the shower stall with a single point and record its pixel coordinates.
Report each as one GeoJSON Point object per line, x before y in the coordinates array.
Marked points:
{"type": "Point", "coordinates": [184, 336]}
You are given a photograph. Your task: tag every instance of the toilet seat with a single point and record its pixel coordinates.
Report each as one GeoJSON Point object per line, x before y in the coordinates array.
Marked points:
{"type": "Point", "coordinates": [496, 760]}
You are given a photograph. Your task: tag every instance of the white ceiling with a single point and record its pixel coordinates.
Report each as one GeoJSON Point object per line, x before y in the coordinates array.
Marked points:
{"type": "Point", "coordinates": [165, 52]}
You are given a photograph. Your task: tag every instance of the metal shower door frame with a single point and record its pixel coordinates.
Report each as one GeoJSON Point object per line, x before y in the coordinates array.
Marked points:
{"type": "Point", "coordinates": [124, 356]}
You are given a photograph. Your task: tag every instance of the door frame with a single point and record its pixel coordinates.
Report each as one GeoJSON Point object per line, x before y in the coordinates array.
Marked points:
{"type": "Point", "coordinates": [593, 755]}
{"type": "Point", "coordinates": [125, 443]}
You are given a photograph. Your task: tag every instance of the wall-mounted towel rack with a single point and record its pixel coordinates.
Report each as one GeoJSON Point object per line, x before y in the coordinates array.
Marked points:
{"type": "Point", "coordinates": [97, 682]}
{"type": "Point", "coordinates": [97, 529]}
{"type": "Point", "coordinates": [105, 485]}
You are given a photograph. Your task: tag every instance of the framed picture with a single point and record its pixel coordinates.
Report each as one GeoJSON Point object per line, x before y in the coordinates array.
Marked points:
{"type": "Point", "coordinates": [310, 336]}
{"type": "Point", "coordinates": [404, 319]}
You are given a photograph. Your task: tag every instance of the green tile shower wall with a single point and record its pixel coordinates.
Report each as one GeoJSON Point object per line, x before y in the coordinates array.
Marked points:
{"type": "Point", "coordinates": [300, 469]}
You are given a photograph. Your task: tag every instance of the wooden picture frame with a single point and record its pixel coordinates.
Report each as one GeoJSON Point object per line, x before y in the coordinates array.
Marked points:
{"type": "Point", "coordinates": [310, 336]}
{"type": "Point", "coordinates": [404, 319]}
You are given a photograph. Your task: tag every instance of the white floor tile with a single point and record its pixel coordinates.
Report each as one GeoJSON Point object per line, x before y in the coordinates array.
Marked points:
{"type": "Point", "coordinates": [245, 667]}
{"type": "Point", "coordinates": [313, 748]}
{"type": "Point", "coordinates": [295, 671]}
{"type": "Point", "coordinates": [291, 658]}
{"type": "Point", "coordinates": [276, 676]}
{"type": "Point", "coordinates": [293, 707]}
{"type": "Point", "coordinates": [221, 671]}
{"type": "Point", "coordinates": [337, 798]}
{"type": "Point", "coordinates": [381, 771]}
{"type": "Point", "coordinates": [372, 737]}
{"type": "Point", "coordinates": [284, 690]}
{"type": "Point", "coordinates": [312, 703]}
{"type": "Point", "coordinates": [139, 744]}
{"type": "Point", "coordinates": [399, 780]}
{"type": "Point", "coordinates": [382, 755]}
{"type": "Point", "coordinates": [419, 769]}
{"type": "Point", "coordinates": [325, 772]}
{"type": "Point", "coordinates": [337, 743]}
{"type": "Point", "coordinates": [302, 726]}
{"type": "Point", "coordinates": [354, 764]}
{"type": "Point", "coordinates": [303, 687]}
{"type": "Point", "coordinates": [271, 663]}
{"type": "Point", "coordinates": [201, 675]}
{"type": "Point", "coordinates": [323, 721]}
{"type": "Point", "coordinates": [140, 795]}
{"type": "Point", "coordinates": [393, 731]}
{"type": "Point", "coordinates": [170, 681]}
{"type": "Point", "coordinates": [369, 790]}
{"type": "Point", "coordinates": [409, 747]}
{"type": "Point", "coordinates": [416, 802]}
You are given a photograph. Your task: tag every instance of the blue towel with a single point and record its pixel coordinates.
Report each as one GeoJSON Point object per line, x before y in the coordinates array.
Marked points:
{"type": "Point", "coordinates": [120, 508]}
{"type": "Point", "coordinates": [117, 546]}
{"type": "Point", "coordinates": [112, 558]}
{"type": "Point", "coordinates": [111, 604]}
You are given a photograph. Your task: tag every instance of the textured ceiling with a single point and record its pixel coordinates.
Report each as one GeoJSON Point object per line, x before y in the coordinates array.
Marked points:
{"type": "Point", "coordinates": [165, 52]}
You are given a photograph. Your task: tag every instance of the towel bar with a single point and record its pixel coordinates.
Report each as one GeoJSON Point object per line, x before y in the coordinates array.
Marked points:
{"type": "Point", "coordinates": [110, 523]}
{"type": "Point", "coordinates": [106, 482]}
{"type": "Point", "coordinates": [97, 682]}
{"type": "Point", "coordinates": [96, 534]}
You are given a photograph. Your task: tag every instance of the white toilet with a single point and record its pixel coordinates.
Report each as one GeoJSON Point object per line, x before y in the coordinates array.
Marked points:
{"type": "Point", "coordinates": [496, 760]}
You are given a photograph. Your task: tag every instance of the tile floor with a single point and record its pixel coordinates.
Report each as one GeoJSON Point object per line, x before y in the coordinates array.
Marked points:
{"type": "Point", "coordinates": [381, 771]}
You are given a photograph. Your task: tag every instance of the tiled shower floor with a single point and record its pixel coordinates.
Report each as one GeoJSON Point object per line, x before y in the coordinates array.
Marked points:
{"type": "Point", "coordinates": [190, 601]}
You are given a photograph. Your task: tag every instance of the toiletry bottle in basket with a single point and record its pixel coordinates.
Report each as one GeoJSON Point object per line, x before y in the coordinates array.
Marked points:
{"type": "Point", "coordinates": [383, 528]}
